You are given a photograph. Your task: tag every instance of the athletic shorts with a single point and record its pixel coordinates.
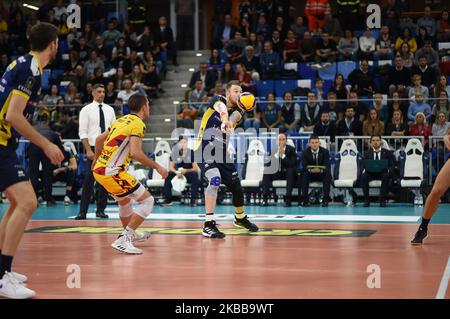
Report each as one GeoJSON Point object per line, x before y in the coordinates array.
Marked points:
{"type": "Point", "coordinates": [11, 172]}
{"type": "Point", "coordinates": [121, 185]}
{"type": "Point", "coordinates": [228, 172]}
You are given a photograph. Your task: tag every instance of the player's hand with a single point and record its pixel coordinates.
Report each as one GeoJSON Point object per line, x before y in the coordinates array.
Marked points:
{"type": "Point", "coordinates": [53, 153]}
{"type": "Point", "coordinates": [90, 155]}
{"type": "Point", "coordinates": [163, 172]}
{"type": "Point", "coordinates": [227, 127]}
{"type": "Point", "coordinates": [447, 141]}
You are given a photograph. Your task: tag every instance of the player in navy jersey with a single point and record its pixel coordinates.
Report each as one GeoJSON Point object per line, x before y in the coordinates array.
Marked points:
{"type": "Point", "coordinates": [20, 85]}
{"type": "Point", "coordinates": [218, 122]}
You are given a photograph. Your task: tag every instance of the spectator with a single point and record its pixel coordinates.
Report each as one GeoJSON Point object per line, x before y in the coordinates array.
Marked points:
{"type": "Point", "coordinates": [307, 48]}
{"type": "Point", "coordinates": [270, 63]}
{"type": "Point", "coordinates": [326, 50]}
{"type": "Point", "coordinates": [280, 27]}
{"type": "Point", "coordinates": [406, 55]}
{"type": "Point", "coordinates": [223, 32]}
{"type": "Point", "coordinates": [441, 105]}
{"type": "Point", "coordinates": [420, 127]}
{"type": "Point", "coordinates": [52, 99]}
{"type": "Point", "coordinates": [417, 86]}
{"type": "Point", "coordinates": [68, 127]}
{"type": "Point", "coordinates": [149, 62]}
{"type": "Point", "coordinates": [406, 38]}
{"type": "Point", "coordinates": [315, 12]}
{"type": "Point", "coordinates": [255, 43]}
{"type": "Point", "coordinates": [299, 28]}
{"type": "Point", "coordinates": [290, 48]}
{"type": "Point", "coordinates": [316, 167]}
{"type": "Point", "coordinates": [348, 47]}
{"type": "Point", "coordinates": [325, 127]}
{"type": "Point", "coordinates": [93, 63]}
{"type": "Point", "coordinates": [367, 45]}
{"type": "Point", "coordinates": [429, 74]}
{"type": "Point", "coordinates": [430, 53]}
{"type": "Point", "coordinates": [130, 35]}
{"type": "Point", "coordinates": [376, 152]}
{"type": "Point", "coordinates": [99, 77]}
{"type": "Point", "coordinates": [244, 78]}
{"type": "Point", "coordinates": [82, 48]}
{"type": "Point", "coordinates": [395, 105]}
{"type": "Point", "coordinates": [127, 91]}
{"type": "Point", "coordinates": [271, 113]}
{"type": "Point", "coordinates": [145, 41]}
{"type": "Point", "coordinates": [339, 87]}
{"type": "Point", "coordinates": [419, 106]}
{"type": "Point", "coordinates": [443, 27]}
{"type": "Point", "coordinates": [251, 62]}
{"type": "Point", "coordinates": [277, 43]}
{"type": "Point", "coordinates": [151, 82]}
{"type": "Point", "coordinates": [318, 90]}
{"type": "Point", "coordinates": [290, 114]}
{"type": "Point", "coordinates": [120, 53]}
{"type": "Point", "coordinates": [219, 89]}
{"type": "Point", "coordinates": [71, 94]}
{"type": "Point", "coordinates": [397, 126]}
{"type": "Point", "coordinates": [332, 26]}
{"type": "Point", "coordinates": [441, 126]}
{"type": "Point", "coordinates": [399, 76]}
{"type": "Point", "coordinates": [63, 29]}
{"type": "Point", "coordinates": [244, 28]}
{"type": "Point", "coordinates": [350, 125]}
{"type": "Point", "coordinates": [187, 116]}
{"type": "Point", "coordinates": [86, 95]}
{"type": "Point", "coordinates": [128, 64]}
{"type": "Point", "coordinates": [286, 158]}
{"type": "Point", "coordinates": [196, 95]}
{"type": "Point", "coordinates": [245, 9]}
{"type": "Point", "coordinates": [234, 48]}
{"type": "Point", "coordinates": [334, 108]}
{"type": "Point", "coordinates": [310, 113]}
{"type": "Point", "coordinates": [361, 80]}
{"type": "Point", "coordinates": [427, 22]}
{"type": "Point", "coordinates": [384, 45]}
{"type": "Point", "coordinates": [442, 85]}
{"type": "Point", "coordinates": [66, 172]}
{"type": "Point", "coordinates": [73, 37]}
{"type": "Point", "coordinates": [422, 36]}
{"type": "Point", "coordinates": [110, 37]}
{"type": "Point", "coordinates": [207, 76]}
{"type": "Point", "coordinates": [360, 107]}
{"type": "Point", "coordinates": [227, 73]}
{"type": "Point", "coordinates": [99, 47]}
{"type": "Point", "coordinates": [181, 164]}
{"type": "Point", "coordinates": [392, 21]}
{"type": "Point", "coordinates": [91, 36]}
{"type": "Point", "coordinates": [373, 125]}
{"type": "Point", "coordinates": [118, 79]}
{"type": "Point", "coordinates": [216, 62]}
{"type": "Point", "coordinates": [110, 93]}
{"type": "Point", "coordinates": [262, 29]}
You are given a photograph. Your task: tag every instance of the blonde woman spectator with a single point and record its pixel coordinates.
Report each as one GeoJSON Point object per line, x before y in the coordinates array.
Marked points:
{"type": "Point", "coordinates": [372, 125]}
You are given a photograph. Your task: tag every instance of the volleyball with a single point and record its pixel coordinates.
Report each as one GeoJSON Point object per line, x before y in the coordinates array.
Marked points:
{"type": "Point", "coordinates": [246, 101]}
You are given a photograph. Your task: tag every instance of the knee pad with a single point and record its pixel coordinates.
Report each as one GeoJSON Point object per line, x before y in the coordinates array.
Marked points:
{"type": "Point", "coordinates": [125, 210]}
{"type": "Point", "coordinates": [238, 194]}
{"type": "Point", "coordinates": [145, 207]}
{"type": "Point", "coordinates": [214, 180]}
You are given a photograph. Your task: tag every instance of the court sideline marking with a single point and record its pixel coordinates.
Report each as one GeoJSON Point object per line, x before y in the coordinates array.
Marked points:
{"type": "Point", "coordinates": [444, 282]}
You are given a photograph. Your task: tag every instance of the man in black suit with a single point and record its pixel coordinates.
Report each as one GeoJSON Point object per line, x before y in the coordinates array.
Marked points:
{"type": "Point", "coordinates": [315, 156]}
{"type": "Point", "coordinates": [376, 153]}
{"type": "Point", "coordinates": [207, 76]}
{"type": "Point", "coordinates": [223, 32]}
{"type": "Point", "coordinates": [325, 127]}
{"type": "Point", "coordinates": [349, 125]}
{"type": "Point", "coordinates": [165, 40]}
{"type": "Point", "coordinates": [286, 159]}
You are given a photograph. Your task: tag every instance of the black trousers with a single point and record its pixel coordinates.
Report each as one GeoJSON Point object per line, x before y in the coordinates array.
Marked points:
{"type": "Point", "coordinates": [192, 178]}
{"type": "Point", "coordinates": [69, 178]}
{"type": "Point", "coordinates": [36, 156]}
{"type": "Point", "coordinates": [88, 190]}
{"type": "Point", "coordinates": [366, 177]}
{"type": "Point", "coordinates": [288, 175]}
{"type": "Point", "coordinates": [307, 177]}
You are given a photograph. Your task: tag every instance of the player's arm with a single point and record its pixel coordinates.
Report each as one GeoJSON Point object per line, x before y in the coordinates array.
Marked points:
{"type": "Point", "coordinates": [221, 108]}
{"type": "Point", "coordinates": [99, 141]}
{"type": "Point", "coordinates": [83, 133]}
{"type": "Point", "coordinates": [235, 118]}
{"type": "Point", "coordinates": [137, 154]}
{"type": "Point", "coordinates": [447, 140]}
{"type": "Point", "coordinates": [15, 117]}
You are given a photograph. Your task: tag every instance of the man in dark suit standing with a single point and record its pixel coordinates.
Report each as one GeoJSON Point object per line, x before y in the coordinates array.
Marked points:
{"type": "Point", "coordinates": [207, 76]}
{"type": "Point", "coordinates": [286, 158]}
{"type": "Point", "coordinates": [165, 40]}
{"type": "Point", "coordinates": [376, 153]}
{"type": "Point", "coordinates": [316, 167]}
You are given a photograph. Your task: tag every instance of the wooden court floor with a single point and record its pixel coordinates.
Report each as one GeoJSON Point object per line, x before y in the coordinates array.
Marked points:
{"type": "Point", "coordinates": [286, 260]}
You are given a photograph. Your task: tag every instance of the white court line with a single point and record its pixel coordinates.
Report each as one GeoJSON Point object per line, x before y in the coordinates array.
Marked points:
{"type": "Point", "coordinates": [444, 282]}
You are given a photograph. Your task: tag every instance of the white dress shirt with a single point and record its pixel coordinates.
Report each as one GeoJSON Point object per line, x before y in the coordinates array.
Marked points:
{"type": "Point", "coordinates": [90, 121]}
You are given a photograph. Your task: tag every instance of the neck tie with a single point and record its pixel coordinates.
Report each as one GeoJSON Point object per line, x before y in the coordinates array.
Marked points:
{"type": "Point", "coordinates": [315, 157]}
{"type": "Point", "coordinates": [377, 155]}
{"type": "Point", "coordinates": [102, 119]}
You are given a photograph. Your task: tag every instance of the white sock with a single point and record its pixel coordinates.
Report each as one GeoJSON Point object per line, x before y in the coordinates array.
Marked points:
{"type": "Point", "coordinates": [128, 231]}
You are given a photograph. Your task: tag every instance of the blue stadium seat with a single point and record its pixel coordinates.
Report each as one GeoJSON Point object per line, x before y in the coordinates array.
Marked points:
{"type": "Point", "coordinates": [305, 71]}
{"type": "Point", "coordinates": [376, 33]}
{"type": "Point", "coordinates": [346, 67]}
{"type": "Point", "coordinates": [63, 46]}
{"type": "Point", "coordinates": [328, 73]}
{"type": "Point", "coordinates": [45, 79]}
{"type": "Point", "coordinates": [282, 86]}
{"type": "Point", "coordinates": [264, 87]}
{"type": "Point", "coordinates": [55, 75]}
{"type": "Point", "coordinates": [327, 85]}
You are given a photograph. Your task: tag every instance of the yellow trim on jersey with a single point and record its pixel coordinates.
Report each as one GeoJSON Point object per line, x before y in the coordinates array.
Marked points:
{"type": "Point", "coordinates": [18, 92]}
{"type": "Point", "coordinates": [209, 112]}
{"type": "Point", "coordinates": [4, 124]}
{"type": "Point", "coordinates": [34, 54]}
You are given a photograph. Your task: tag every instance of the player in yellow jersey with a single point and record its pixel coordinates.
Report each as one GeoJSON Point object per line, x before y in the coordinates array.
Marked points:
{"type": "Point", "coordinates": [114, 150]}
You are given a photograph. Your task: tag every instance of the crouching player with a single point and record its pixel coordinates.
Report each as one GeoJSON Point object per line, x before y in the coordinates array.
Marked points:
{"type": "Point", "coordinates": [114, 150]}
